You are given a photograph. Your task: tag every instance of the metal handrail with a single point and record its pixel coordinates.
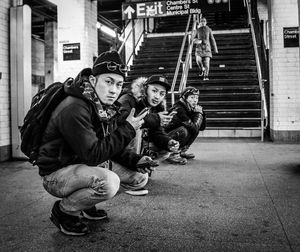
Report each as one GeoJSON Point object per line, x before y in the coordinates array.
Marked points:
{"type": "Point", "coordinates": [125, 40]}
{"type": "Point", "coordinates": [135, 42]}
{"type": "Point", "coordinates": [264, 114]}
{"type": "Point", "coordinates": [179, 61]}
{"type": "Point", "coordinates": [187, 62]}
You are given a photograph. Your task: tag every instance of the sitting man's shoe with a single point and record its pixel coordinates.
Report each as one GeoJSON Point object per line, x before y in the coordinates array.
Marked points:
{"type": "Point", "coordinates": [200, 73]}
{"type": "Point", "coordinates": [140, 192]}
{"type": "Point", "coordinates": [176, 159]}
{"type": "Point", "coordinates": [205, 78]}
{"type": "Point", "coordinates": [187, 155]}
{"type": "Point", "coordinates": [67, 224]}
{"type": "Point", "coordinates": [94, 214]}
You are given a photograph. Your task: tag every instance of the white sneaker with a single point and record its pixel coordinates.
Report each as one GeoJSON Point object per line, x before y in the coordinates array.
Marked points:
{"type": "Point", "coordinates": [140, 192]}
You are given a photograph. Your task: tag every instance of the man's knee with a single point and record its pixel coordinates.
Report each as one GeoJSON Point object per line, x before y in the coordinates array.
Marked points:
{"type": "Point", "coordinates": [108, 185]}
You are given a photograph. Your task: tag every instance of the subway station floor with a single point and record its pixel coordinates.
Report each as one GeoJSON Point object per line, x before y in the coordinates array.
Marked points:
{"type": "Point", "coordinates": [237, 195]}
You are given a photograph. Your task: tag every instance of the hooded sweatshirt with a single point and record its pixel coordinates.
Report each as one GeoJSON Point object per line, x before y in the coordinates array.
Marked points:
{"type": "Point", "coordinates": [81, 130]}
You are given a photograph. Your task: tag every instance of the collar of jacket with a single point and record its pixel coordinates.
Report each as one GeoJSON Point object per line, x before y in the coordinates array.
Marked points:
{"type": "Point", "coordinates": [81, 88]}
{"type": "Point", "coordinates": [186, 104]}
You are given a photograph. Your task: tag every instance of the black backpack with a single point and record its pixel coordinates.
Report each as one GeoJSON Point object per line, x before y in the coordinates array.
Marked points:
{"type": "Point", "coordinates": [37, 118]}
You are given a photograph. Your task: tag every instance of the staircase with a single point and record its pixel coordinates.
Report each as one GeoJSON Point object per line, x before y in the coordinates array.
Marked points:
{"type": "Point", "coordinates": [231, 97]}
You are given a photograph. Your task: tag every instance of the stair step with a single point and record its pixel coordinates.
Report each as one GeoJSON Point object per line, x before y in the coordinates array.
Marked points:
{"type": "Point", "coordinates": [233, 114]}
{"type": "Point", "coordinates": [174, 57]}
{"type": "Point", "coordinates": [229, 96]}
{"type": "Point", "coordinates": [194, 70]}
{"type": "Point", "coordinates": [230, 132]}
{"type": "Point", "coordinates": [233, 123]}
{"type": "Point", "coordinates": [214, 64]}
{"type": "Point", "coordinates": [230, 105]}
{"type": "Point", "coordinates": [194, 74]}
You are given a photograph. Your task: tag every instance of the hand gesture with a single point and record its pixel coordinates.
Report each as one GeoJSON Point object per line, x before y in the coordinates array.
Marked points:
{"type": "Point", "coordinates": [173, 145]}
{"type": "Point", "coordinates": [165, 119]}
{"type": "Point", "coordinates": [146, 165]}
{"type": "Point", "coordinates": [197, 41]}
{"type": "Point", "coordinates": [198, 109]}
{"type": "Point", "coordinates": [136, 122]}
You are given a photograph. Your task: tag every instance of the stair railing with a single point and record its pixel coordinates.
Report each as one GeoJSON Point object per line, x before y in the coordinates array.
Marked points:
{"type": "Point", "coordinates": [137, 36]}
{"type": "Point", "coordinates": [179, 61]}
{"type": "Point", "coordinates": [188, 59]}
{"type": "Point", "coordinates": [264, 111]}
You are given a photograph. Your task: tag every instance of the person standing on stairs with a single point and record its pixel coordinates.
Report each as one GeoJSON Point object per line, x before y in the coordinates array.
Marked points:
{"type": "Point", "coordinates": [205, 42]}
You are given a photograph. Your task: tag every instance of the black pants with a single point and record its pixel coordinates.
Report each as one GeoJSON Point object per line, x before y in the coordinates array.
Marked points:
{"type": "Point", "coordinates": [183, 136]}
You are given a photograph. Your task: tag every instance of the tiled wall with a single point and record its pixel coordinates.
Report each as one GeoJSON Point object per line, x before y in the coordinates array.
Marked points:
{"type": "Point", "coordinates": [4, 81]}
{"type": "Point", "coordinates": [285, 73]}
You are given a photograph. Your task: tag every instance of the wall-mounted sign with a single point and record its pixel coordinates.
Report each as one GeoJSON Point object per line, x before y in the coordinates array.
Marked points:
{"type": "Point", "coordinates": [160, 9]}
{"type": "Point", "coordinates": [71, 51]}
{"type": "Point", "coordinates": [290, 36]}
{"type": "Point", "coordinates": [141, 9]}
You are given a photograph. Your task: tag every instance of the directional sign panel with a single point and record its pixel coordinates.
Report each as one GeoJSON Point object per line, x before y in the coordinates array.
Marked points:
{"type": "Point", "coordinates": [160, 9]}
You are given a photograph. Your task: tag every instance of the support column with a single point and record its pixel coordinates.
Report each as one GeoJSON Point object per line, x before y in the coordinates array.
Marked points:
{"type": "Point", "coordinates": [77, 36]}
{"type": "Point", "coordinates": [284, 73]}
{"type": "Point", "coordinates": [20, 71]}
{"type": "Point", "coordinates": [50, 52]}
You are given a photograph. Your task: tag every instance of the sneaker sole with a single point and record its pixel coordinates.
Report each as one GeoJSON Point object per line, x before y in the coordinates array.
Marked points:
{"type": "Point", "coordinates": [86, 216]}
{"type": "Point", "coordinates": [63, 230]}
{"type": "Point", "coordinates": [137, 193]}
{"type": "Point", "coordinates": [178, 163]}
{"type": "Point", "coordinates": [188, 157]}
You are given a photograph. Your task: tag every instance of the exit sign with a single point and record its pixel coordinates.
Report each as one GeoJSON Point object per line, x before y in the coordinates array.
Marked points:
{"type": "Point", "coordinates": [160, 9]}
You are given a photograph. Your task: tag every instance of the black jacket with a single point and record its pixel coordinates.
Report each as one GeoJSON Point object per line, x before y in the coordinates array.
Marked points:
{"type": "Point", "coordinates": [77, 134]}
{"type": "Point", "coordinates": [187, 117]}
{"type": "Point", "coordinates": [155, 133]}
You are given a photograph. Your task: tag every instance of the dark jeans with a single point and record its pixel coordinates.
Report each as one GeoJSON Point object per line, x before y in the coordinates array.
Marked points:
{"type": "Point", "coordinates": [183, 136]}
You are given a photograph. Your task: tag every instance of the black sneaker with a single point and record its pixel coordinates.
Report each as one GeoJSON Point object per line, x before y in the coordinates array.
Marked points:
{"type": "Point", "coordinates": [67, 224]}
{"type": "Point", "coordinates": [94, 214]}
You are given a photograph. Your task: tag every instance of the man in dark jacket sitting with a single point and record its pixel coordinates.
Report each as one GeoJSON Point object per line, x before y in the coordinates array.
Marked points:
{"type": "Point", "coordinates": [188, 120]}
{"type": "Point", "coordinates": [82, 158]}
{"type": "Point", "coordinates": [149, 93]}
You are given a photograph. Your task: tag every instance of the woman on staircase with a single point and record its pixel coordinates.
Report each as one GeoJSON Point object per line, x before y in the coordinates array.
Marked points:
{"type": "Point", "coordinates": [205, 42]}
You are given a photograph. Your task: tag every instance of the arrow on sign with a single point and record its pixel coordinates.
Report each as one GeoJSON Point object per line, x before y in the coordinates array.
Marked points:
{"type": "Point", "coordinates": [129, 11]}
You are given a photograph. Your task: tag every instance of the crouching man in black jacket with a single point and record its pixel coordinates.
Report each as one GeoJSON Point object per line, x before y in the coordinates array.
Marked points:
{"type": "Point", "coordinates": [189, 118]}
{"type": "Point", "coordinates": [82, 139]}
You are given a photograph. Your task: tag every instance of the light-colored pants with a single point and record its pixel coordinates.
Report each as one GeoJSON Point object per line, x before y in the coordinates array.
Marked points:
{"type": "Point", "coordinates": [82, 187]}
{"type": "Point", "coordinates": [130, 180]}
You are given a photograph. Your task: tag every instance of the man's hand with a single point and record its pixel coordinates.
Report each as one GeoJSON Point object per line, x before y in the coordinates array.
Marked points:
{"type": "Point", "coordinates": [136, 122]}
{"type": "Point", "coordinates": [146, 165]}
{"type": "Point", "coordinates": [198, 109]}
{"type": "Point", "coordinates": [165, 118]}
{"type": "Point", "coordinates": [173, 145]}
{"type": "Point", "coordinates": [197, 41]}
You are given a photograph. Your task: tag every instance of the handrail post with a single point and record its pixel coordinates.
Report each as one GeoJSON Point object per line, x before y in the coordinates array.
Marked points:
{"type": "Point", "coordinates": [179, 61]}
{"type": "Point", "coordinates": [259, 74]}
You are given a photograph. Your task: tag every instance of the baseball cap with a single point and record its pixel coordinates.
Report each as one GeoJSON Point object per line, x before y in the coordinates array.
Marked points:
{"type": "Point", "coordinates": [159, 79]}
